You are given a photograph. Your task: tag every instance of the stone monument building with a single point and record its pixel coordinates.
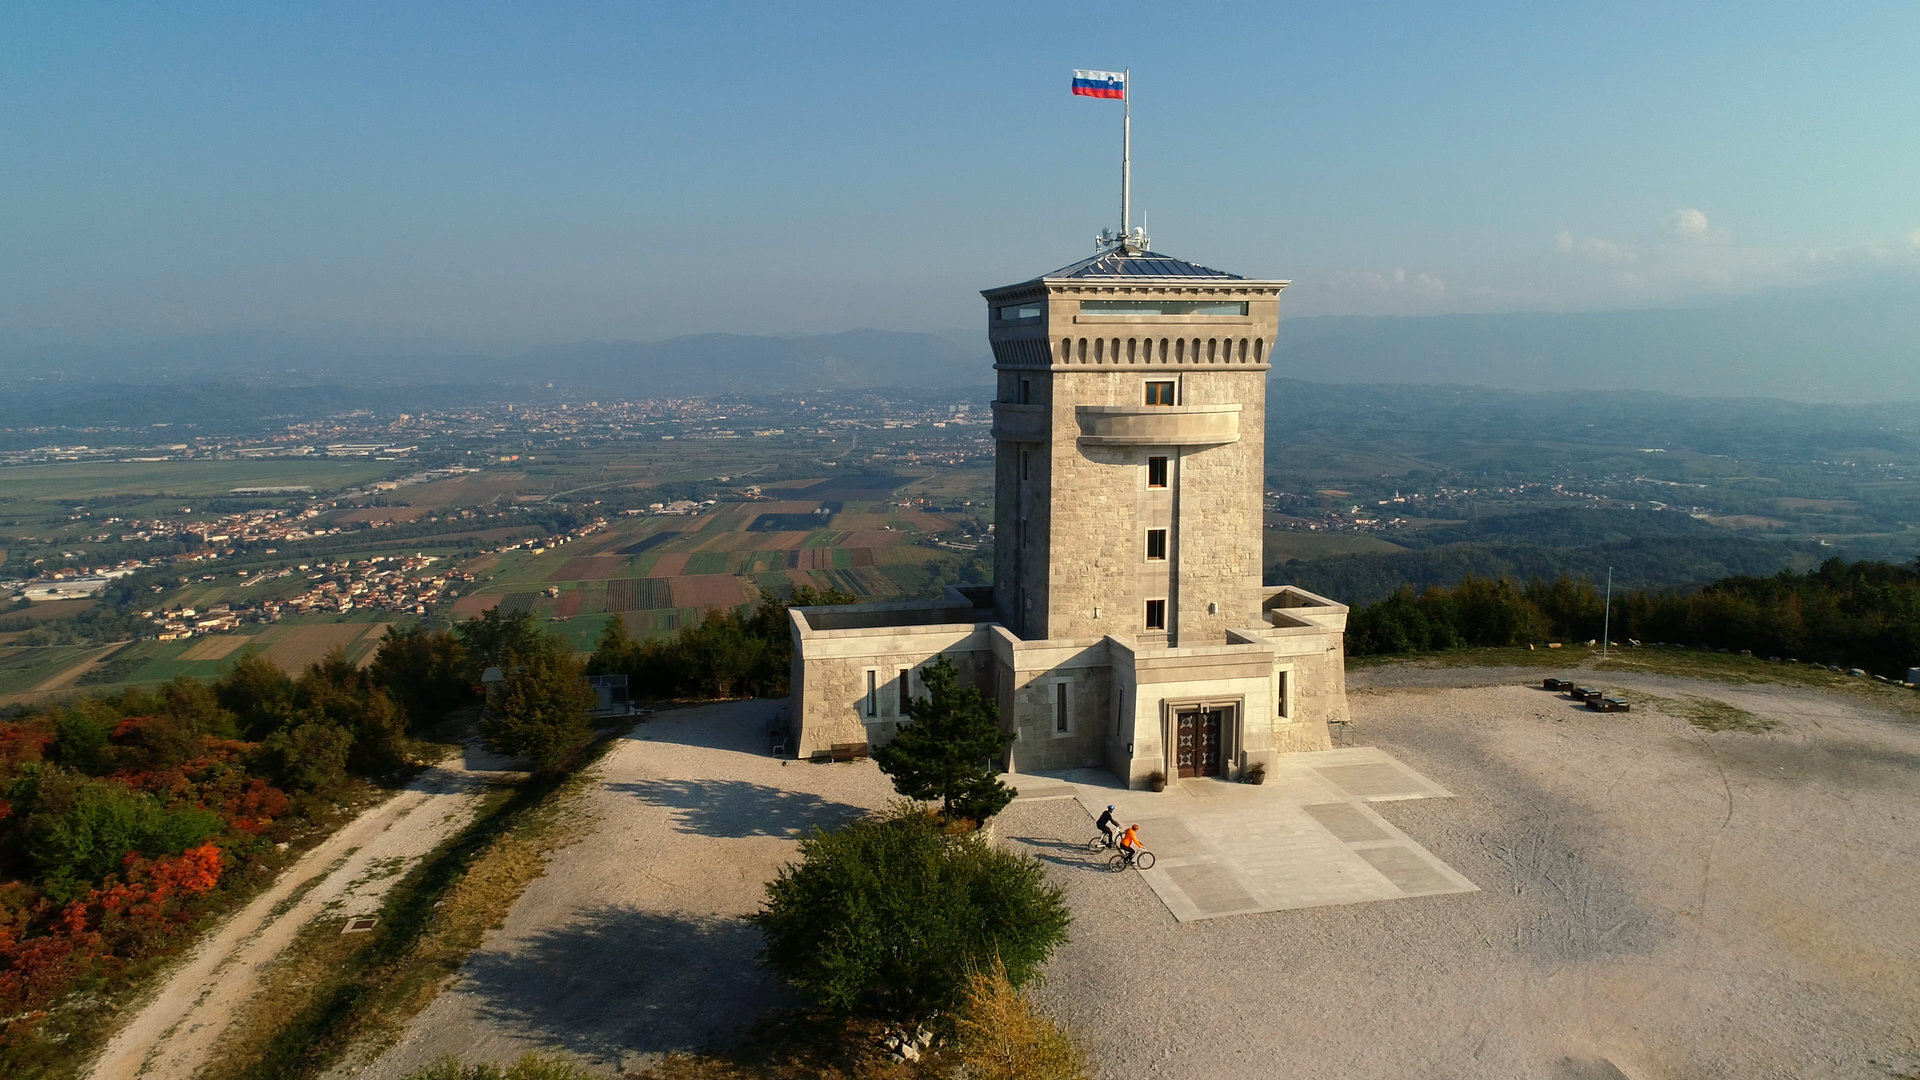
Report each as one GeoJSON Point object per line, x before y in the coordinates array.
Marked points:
{"type": "Point", "coordinates": [1127, 625]}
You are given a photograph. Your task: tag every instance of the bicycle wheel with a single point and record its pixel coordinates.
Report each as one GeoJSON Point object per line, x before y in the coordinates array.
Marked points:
{"type": "Point", "coordinates": [1117, 863]}
{"type": "Point", "coordinates": [1145, 860]}
{"type": "Point", "coordinates": [1097, 844]}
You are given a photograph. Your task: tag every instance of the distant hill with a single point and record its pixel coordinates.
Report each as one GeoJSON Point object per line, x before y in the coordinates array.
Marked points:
{"type": "Point", "coordinates": [1856, 343]}
{"type": "Point", "coordinates": [696, 365]}
{"type": "Point", "coordinates": [1646, 550]}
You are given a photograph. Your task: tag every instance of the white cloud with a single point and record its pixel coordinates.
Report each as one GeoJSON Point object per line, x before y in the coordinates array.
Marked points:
{"type": "Point", "coordinates": [1398, 281]}
{"type": "Point", "coordinates": [1690, 224]}
{"type": "Point", "coordinates": [1593, 247]}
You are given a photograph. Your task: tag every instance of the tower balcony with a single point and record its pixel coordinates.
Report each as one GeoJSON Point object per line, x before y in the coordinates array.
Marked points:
{"type": "Point", "coordinates": [1020, 423]}
{"type": "Point", "coordinates": [1158, 425]}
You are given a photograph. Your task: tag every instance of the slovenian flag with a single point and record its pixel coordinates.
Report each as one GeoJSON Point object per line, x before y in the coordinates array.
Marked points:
{"type": "Point", "coordinates": [1103, 84]}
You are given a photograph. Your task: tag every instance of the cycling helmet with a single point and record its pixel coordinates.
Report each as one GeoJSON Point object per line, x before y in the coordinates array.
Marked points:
{"type": "Point", "coordinates": [1109, 806]}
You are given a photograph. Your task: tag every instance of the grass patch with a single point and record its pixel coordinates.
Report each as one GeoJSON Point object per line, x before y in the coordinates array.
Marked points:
{"type": "Point", "coordinates": [331, 993]}
{"type": "Point", "coordinates": [1710, 715]}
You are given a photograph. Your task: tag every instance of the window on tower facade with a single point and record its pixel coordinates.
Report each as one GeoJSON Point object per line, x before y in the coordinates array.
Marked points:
{"type": "Point", "coordinates": [1160, 392]}
{"type": "Point", "coordinates": [1156, 614]}
{"type": "Point", "coordinates": [1156, 543]}
{"type": "Point", "coordinates": [1156, 472]}
{"type": "Point", "coordinates": [1026, 392]}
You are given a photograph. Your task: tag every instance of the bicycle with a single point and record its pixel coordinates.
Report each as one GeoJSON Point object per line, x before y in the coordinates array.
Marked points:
{"type": "Point", "coordinates": [1143, 861]}
{"type": "Point", "coordinates": [1101, 843]}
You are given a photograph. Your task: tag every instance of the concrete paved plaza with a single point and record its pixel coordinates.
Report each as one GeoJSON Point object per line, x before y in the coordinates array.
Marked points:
{"type": "Point", "coordinates": [1305, 838]}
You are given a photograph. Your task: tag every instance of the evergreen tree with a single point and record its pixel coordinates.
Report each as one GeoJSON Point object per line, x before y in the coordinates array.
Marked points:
{"type": "Point", "coordinates": [947, 752]}
{"type": "Point", "coordinates": [543, 710]}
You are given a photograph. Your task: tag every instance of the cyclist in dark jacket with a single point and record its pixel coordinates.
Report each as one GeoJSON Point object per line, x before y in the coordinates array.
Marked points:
{"type": "Point", "coordinates": [1107, 825]}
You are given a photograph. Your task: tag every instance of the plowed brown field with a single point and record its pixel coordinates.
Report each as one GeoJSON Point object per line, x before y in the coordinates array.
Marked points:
{"type": "Point", "coordinates": [708, 591]}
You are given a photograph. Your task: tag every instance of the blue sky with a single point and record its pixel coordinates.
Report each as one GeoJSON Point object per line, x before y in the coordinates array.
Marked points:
{"type": "Point", "coordinates": [507, 175]}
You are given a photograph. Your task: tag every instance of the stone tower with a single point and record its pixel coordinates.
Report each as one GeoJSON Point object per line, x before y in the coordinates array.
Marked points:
{"type": "Point", "coordinates": [1130, 428]}
{"type": "Point", "coordinates": [1127, 626]}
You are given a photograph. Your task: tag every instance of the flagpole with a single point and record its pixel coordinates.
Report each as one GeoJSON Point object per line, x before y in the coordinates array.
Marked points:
{"type": "Point", "coordinates": [1126, 154]}
{"type": "Point", "coordinates": [1606, 621]}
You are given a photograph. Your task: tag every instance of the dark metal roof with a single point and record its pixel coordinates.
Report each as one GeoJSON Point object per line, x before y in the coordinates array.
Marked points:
{"type": "Point", "coordinates": [1116, 264]}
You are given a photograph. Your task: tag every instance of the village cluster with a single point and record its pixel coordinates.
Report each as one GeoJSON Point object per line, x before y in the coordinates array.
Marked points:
{"type": "Point", "coordinates": [407, 584]}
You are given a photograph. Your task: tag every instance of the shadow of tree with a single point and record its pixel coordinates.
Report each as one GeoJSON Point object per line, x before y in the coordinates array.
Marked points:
{"type": "Point", "coordinates": [737, 808]}
{"type": "Point", "coordinates": [1062, 853]}
{"type": "Point", "coordinates": [617, 981]}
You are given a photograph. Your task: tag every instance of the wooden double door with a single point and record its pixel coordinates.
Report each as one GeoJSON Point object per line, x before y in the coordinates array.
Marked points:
{"type": "Point", "coordinates": [1198, 748]}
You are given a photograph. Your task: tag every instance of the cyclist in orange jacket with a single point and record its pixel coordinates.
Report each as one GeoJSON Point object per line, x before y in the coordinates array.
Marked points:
{"type": "Point", "coordinates": [1130, 842]}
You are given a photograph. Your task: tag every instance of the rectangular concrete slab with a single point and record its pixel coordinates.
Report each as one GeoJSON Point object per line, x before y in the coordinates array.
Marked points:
{"type": "Point", "coordinates": [1409, 872]}
{"type": "Point", "coordinates": [1346, 823]}
{"type": "Point", "coordinates": [1305, 838]}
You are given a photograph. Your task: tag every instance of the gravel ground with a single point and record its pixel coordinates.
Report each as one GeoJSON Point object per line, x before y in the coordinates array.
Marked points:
{"type": "Point", "coordinates": [1657, 901]}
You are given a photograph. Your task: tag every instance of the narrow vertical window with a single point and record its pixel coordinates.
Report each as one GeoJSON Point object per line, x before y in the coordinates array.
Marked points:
{"type": "Point", "coordinates": [873, 693]}
{"type": "Point", "coordinates": [1156, 614]}
{"type": "Point", "coordinates": [1026, 462]}
{"type": "Point", "coordinates": [906, 692]}
{"type": "Point", "coordinates": [1156, 472]}
{"type": "Point", "coordinates": [1060, 707]}
{"type": "Point", "coordinates": [1160, 393]}
{"type": "Point", "coordinates": [1280, 693]}
{"type": "Point", "coordinates": [1156, 544]}
{"type": "Point", "coordinates": [1026, 391]}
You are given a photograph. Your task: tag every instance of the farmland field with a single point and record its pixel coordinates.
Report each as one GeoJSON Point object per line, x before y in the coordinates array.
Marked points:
{"type": "Point", "coordinates": [92, 479]}
{"type": "Point", "coordinates": [661, 572]}
{"type": "Point", "coordinates": [1282, 544]}
{"type": "Point", "coordinates": [294, 647]}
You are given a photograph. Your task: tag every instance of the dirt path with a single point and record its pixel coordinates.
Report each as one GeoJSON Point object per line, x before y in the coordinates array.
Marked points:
{"type": "Point", "coordinates": [170, 1036]}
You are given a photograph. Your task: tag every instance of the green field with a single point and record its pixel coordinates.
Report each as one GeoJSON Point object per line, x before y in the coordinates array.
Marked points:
{"type": "Point", "coordinates": [94, 479]}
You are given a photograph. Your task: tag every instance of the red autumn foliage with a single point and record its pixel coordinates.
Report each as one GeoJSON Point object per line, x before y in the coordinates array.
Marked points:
{"type": "Point", "coordinates": [44, 949]}
{"type": "Point", "coordinates": [21, 743]}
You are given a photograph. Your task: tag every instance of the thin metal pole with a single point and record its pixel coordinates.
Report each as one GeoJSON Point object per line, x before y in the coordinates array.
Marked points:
{"type": "Point", "coordinates": [1606, 619]}
{"type": "Point", "coordinates": [1126, 154]}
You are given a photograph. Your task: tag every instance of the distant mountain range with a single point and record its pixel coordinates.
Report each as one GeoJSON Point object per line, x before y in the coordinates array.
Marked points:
{"type": "Point", "coordinates": [1851, 344]}
{"type": "Point", "coordinates": [699, 364]}
{"type": "Point", "coordinates": [1832, 344]}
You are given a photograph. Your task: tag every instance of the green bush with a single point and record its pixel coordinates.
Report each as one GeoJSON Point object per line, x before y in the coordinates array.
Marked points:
{"type": "Point", "coordinates": [80, 737]}
{"type": "Point", "coordinates": [310, 756]}
{"type": "Point", "coordinates": [86, 828]}
{"type": "Point", "coordinates": [894, 913]}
